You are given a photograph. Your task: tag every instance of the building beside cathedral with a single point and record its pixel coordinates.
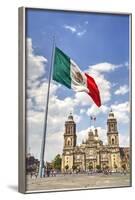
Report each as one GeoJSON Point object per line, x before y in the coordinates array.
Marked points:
{"type": "Point", "coordinates": [92, 153]}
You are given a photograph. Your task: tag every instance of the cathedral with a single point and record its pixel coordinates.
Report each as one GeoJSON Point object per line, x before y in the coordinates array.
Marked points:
{"type": "Point", "coordinates": [92, 153]}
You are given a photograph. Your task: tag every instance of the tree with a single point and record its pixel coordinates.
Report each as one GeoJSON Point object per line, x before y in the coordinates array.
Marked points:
{"type": "Point", "coordinates": [90, 167]}
{"type": "Point", "coordinates": [56, 163]}
{"type": "Point", "coordinates": [98, 167]}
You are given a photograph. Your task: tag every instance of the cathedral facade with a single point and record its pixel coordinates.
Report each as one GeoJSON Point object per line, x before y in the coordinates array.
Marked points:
{"type": "Point", "coordinates": [92, 153]}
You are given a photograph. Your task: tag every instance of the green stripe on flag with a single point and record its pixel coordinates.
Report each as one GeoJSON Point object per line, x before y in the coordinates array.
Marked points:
{"type": "Point", "coordinates": [61, 68]}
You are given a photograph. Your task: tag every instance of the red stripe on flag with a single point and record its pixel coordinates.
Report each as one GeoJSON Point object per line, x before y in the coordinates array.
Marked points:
{"type": "Point", "coordinates": [93, 90]}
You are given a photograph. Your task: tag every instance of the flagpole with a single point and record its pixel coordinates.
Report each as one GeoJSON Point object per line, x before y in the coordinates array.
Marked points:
{"type": "Point", "coordinates": [41, 166]}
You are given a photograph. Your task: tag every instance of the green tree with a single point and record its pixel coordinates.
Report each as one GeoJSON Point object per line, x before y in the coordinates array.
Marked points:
{"type": "Point", "coordinates": [90, 167]}
{"type": "Point", "coordinates": [56, 163]}
{"type": "Point", "coordinates": [98, 167]}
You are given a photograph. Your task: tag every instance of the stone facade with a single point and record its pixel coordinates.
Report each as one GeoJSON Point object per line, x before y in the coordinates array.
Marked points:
{"type": "Point", "coordinates": [92, 153]}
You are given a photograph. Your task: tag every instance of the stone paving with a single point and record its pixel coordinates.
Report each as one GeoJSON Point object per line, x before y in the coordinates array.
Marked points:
{"type": "Point", "coordinates": [83, 181]}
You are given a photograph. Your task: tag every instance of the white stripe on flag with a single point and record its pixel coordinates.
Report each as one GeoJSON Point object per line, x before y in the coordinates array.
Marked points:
{"type": "Point", "coordinates": [78, 78]}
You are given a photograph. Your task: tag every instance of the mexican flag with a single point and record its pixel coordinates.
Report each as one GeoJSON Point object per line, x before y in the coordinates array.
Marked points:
{"type": "Point", "coordinates": [66, 72]}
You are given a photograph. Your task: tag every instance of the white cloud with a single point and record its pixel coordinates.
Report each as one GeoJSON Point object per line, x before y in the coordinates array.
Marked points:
{"type": "Point", "coordinates": [81, 33]}
{"type": "Point", "coordinates": [121, 111]}
{"type": "Point", "coordinates": [124, 140]}
{"type": "Point", "coordinates": [82, 111]}
{"type": "Point", "coordinates": [35, 63]}
{"type": "Point", "coordinates": [58, 111]}
{"type": "Point", "coordinates": [83, 99]}
{"type": "Point", "coordinates": [71, 28]}
{"type": "Point", "coordinates": [96, 71]}
{"type": "Point", "coordinates": [54, 145]}
{"type": "Point", "coordinates": [102, 133]}
{"type": "Point", "coordinates": [29, 103]}
{"type": "Point", "coordinates": [105, 67]}
{"type": "Point", "coordinates": [57, 115]}
{"type": "Point", "coordinates": [78, 30]}
{"type": "Point", "coordinates": [122, 90]}
{"type": "Point", "coordinates": [83, 134]}
{"type": "Point", "coordinates": [126, 64]}
{"type": "Point", "coordinates": [94, 110]}
{"type": "Point", "coordinates": [54, 141]}
{"type": "Point", "coordinates": [39, 94]}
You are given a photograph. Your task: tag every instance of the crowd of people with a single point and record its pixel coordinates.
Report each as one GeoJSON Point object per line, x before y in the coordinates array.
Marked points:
{"type": "Point", "coordinates": [53, 173]}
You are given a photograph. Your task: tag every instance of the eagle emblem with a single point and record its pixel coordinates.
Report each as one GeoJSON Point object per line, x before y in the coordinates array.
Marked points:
{"type": "Point", "coordinates": [78, 77]}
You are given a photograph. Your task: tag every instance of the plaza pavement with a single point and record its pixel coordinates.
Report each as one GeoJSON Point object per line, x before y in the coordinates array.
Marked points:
{"type": "Point", "coordinates": [73, 181]}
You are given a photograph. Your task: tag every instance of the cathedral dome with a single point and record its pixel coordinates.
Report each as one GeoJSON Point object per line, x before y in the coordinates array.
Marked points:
{"type": "Point", "coordinates": [111, 115]}
{"type": "Point", "coordinates": [70, 117]}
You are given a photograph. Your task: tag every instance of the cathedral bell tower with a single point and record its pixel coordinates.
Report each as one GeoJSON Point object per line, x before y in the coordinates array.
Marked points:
{"type": "Point", "coordinates": [112, 132]}
{"type": "Point", "coordinates": [70, 133]}
{"type": "Point", "coordinates": [69, 144]}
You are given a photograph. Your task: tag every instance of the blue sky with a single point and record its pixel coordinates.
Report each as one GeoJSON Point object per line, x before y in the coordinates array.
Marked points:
{"type": "Point", "coordinates": [99, 44]}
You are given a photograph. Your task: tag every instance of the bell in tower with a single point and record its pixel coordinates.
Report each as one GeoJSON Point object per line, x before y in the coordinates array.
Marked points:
{"type": "Point", "coordinates": [70, 132]}
{"type": "Point", "coordinates": [112, 132]}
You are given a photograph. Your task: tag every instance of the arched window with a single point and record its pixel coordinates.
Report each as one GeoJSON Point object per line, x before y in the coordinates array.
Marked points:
{"type": "Point", "coordinates": [71, 141]}
{"type": "Point", "coordinates": [67, 129]}
{"type": "Point", "coordinates": [112, 140]}
{"type": "Point", "coordinates": [109, 139]}
{"type": "Point", "coordinates": [68, 143]}
{"type": "Point", "coordinates": [115, 138]}
{"type": "Point", "coordinates": [70, 129]}
{"type": "Point", "coordinates": [112, 127]}
{"type": "Point", "coordinates": [109, 129]}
